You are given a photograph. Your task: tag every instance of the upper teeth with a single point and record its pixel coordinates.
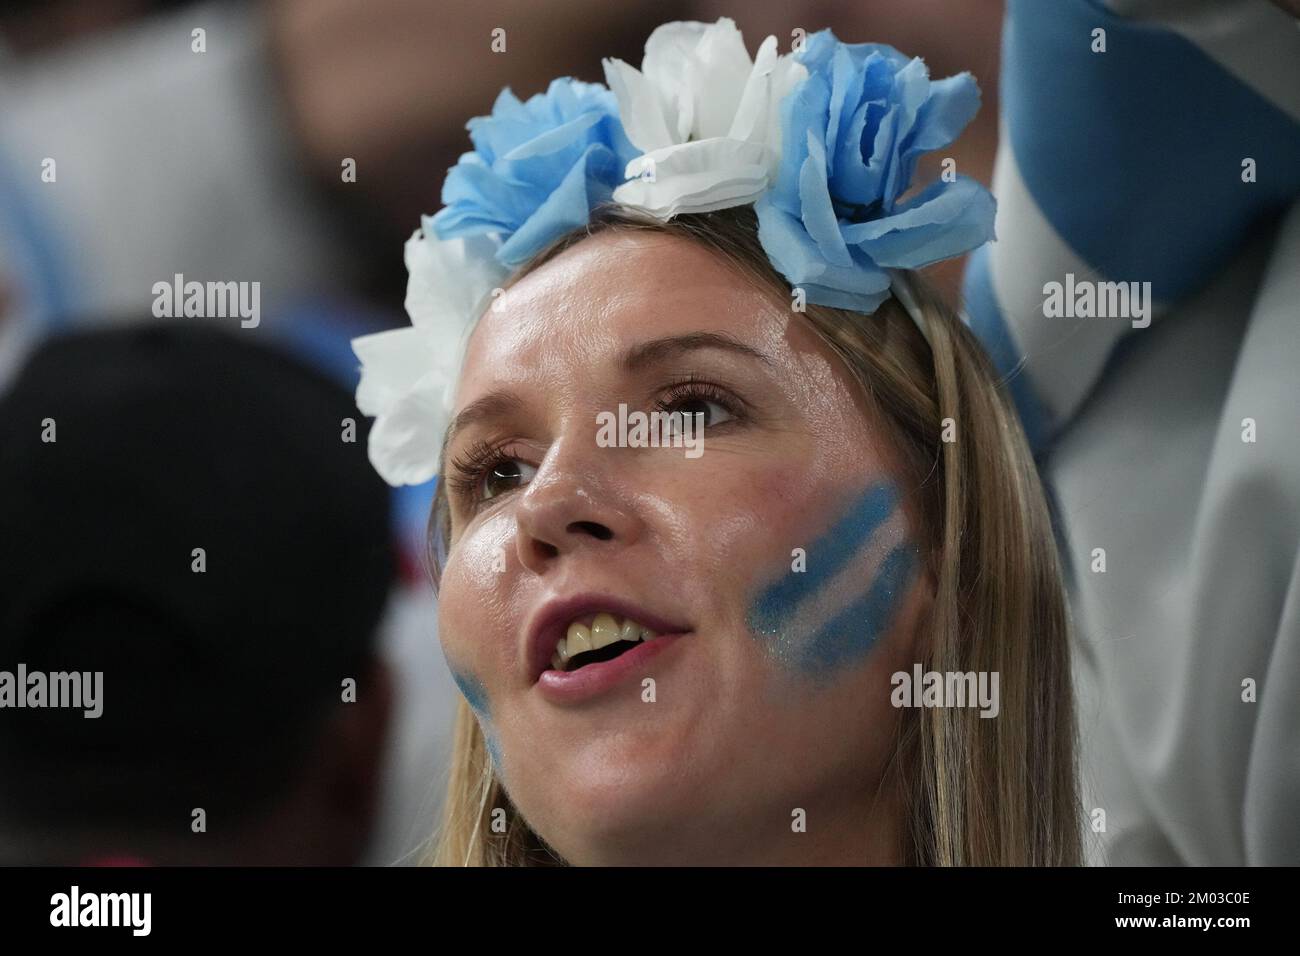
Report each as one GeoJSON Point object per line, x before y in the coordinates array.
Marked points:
{"type": "Point", "coordinates": [605, 629]}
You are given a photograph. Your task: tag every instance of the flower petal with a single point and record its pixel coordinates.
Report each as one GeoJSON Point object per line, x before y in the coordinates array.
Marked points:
{"type": "Point", "coordinates": [477, 200]}
{"type": "Point", "coordinates": [846, 93]}
{"type": "Point", "coordinates": [406, 442]}
{"type": "Point", "coordinates": [448, 279]}
{"type": "Point", "coordinates": [864, 302]}
{"type": "Point", "coordinates": [912, 86]}
{"type": "Point", "coordinates": [567, 207]}
{"type": "Point", "coordinates": [799, 259]}
{"type": "Point", "coordinates": [669, 65]}
{"type": "Point", "coordinates": [815, 204]}
{"type": "Point", "coordinates": [943, 220]}
{"type": "Point", "coordinates": [787, 74]}
{"type": "Point", "coordinates": [953, 103]}
{"type": "Point", "coordinates": [526, 153]}
{"type": "Point", "coordinates": [554, 139]}
{"type": "Point", "coordinates": [697, 177]}
{"type": "Point", "coordinates": [721, 69]}
{"type": "Point", "coordinates": [800, 111]}
{"type": "Point", "coordinates": [640, 106]}
{"type": "Point", "coordinates": [391, 363]}
{"type": "Point", "coordinates": [751, 112]}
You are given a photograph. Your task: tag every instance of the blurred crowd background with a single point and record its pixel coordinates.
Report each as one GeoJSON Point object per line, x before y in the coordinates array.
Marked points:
{"type": "Point", "coordinates": [225, 165]}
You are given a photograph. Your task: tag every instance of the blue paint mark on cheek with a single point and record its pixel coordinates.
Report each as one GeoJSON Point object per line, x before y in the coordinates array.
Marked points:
{"type": "Point", "coordinates": [476, 697]}
{"type": "Point", "coordinates": [819, 620]}
{"type": "Point", "coordinates": [848, 637]}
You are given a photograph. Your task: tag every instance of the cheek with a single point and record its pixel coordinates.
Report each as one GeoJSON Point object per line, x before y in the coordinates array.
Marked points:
{"type": "Point", "coordinates": [473, 591]}
{"type": "Point", "coordinates": [747, 517]}
{"type": "Point", "coordinates": [837, 595]}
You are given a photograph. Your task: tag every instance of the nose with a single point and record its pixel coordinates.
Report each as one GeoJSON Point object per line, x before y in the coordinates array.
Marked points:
{"type": "Point", "coordinates": [570, 508]}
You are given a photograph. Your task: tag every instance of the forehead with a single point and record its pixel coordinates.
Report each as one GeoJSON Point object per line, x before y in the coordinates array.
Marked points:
{"type": "Point", "coordinates": [612, 291]}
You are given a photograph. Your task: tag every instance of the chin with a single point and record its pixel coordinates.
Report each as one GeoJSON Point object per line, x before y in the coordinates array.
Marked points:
{"type": "Point", "coordinates": [615, 803]}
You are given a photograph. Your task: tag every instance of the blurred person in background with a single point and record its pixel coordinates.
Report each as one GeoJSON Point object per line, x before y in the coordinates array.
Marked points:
{"type": "Point", "coordinates": [180, 512]}
{"type": "Point", "coordinates": [1159, 143]}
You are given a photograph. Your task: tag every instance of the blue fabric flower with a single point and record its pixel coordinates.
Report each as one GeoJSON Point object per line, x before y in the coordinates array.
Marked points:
{"type": "Point", "coordinates": [852, 133]}
{"type": "Point", "coordinates": [537, 169]}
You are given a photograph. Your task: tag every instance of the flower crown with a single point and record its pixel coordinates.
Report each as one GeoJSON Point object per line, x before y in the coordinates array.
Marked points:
{"type": "Point", "coordinates": [823, 142]}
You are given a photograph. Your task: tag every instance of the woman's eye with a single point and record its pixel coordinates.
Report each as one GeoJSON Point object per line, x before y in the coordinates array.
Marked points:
{"type": "Point", "coordinates": [713, 413]}
{"type": "Point", "coordinates": [505, 476]}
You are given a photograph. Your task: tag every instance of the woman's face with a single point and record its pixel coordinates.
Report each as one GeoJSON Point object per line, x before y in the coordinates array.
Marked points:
{"type": "Point", "coordinates": [776, 556]}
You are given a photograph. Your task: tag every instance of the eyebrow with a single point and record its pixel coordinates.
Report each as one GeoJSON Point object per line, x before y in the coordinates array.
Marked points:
{"type": "Point", "coordinates": [500, 404]}
{"type": "Point", "coordinates": [670, 346]}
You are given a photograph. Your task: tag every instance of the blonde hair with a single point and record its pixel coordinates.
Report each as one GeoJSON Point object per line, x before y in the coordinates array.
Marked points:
{"type": "Point", "coordinates": [977, 792]}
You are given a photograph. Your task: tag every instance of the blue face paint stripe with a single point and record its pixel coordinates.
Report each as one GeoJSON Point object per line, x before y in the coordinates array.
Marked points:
{"type": "Point", "coordinates": [473, 691]}
{"type": "Point", "coordinates": [827, 556]}
{"type": "Point", "coordinates": [476, 696]}
{"type": "Point", "coordinates": [493, 746]}
{"type": "Point", "coordinates": [851, 634]}
{"type": "Point", "coordinates": [815, 647]}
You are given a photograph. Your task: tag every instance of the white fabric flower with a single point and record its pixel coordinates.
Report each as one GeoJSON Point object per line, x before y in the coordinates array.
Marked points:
{"type": "Point", "coordinates": [408, 376]}
{"type": "Point", "coordinates": [705, 117]}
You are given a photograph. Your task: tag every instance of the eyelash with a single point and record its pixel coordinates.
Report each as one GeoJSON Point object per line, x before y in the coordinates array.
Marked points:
{"type": "Point", "coordinates": [468, 469]}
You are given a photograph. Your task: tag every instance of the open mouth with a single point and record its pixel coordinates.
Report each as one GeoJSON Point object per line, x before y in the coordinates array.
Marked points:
{"type": "Point", "coordinates": [598, 637]}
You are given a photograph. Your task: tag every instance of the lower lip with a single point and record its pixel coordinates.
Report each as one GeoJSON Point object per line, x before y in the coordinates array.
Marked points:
{"type": "Point", "coordinates": [567, 687]}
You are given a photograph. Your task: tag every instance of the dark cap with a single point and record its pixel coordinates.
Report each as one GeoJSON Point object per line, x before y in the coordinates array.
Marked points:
{"type": "Point", "coordinates": [218, 663]}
